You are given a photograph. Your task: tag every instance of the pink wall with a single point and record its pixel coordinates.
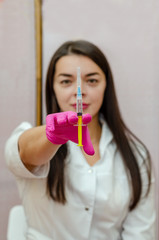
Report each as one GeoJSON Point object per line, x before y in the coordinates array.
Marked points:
{"type": "Point", "coordinates": [127, 31]}
{"type": "Point", "coordinates": [17, 88]}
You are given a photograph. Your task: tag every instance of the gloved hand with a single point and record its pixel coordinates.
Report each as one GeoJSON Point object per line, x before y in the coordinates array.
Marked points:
{"type": "Point", "coordinates": [60, 127]}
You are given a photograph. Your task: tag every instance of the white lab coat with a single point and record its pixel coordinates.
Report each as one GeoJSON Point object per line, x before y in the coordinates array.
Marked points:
{"type": "Point", "coordinates": [98, 197]}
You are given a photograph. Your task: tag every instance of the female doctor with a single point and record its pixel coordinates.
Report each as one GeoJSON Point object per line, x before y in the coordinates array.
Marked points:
{"type": "Point", "coordinates": [101, 191]}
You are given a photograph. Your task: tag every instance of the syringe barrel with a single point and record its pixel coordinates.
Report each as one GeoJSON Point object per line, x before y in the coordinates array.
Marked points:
{"type": "Point", "coordinates": [79, 107]}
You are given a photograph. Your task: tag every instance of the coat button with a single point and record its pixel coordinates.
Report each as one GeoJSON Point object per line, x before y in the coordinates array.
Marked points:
{"type": "Point", "coordinates": [86, 208]}
{"type": "Point", "coordinates": [90, 170]}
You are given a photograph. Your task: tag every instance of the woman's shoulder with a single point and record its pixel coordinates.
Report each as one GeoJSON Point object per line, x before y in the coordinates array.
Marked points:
{"type": "Point", "coordinates": [11, 144]}
{"type": "Point", "coordinates": [22, 127]}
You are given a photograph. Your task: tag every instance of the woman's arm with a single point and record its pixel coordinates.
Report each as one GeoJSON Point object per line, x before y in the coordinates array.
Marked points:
{"type": "Point", "coordinates": [34, 147]}
{"type": "Point", "coordinates": [38, 145]}
{"type": "Point", "coordinates": [140, 223]}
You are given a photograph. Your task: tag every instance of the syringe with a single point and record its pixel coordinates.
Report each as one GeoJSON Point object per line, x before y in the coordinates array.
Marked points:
{"type": "Point", "coordinates": [79, 107]}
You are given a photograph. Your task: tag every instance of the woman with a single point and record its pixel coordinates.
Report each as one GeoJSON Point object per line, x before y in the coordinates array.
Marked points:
{"type": "Point", "coordinates": [104, 190]}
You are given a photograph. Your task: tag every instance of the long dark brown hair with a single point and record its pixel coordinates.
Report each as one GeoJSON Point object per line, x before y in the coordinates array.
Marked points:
{"type": "Point", "coordinates": [109, 109]}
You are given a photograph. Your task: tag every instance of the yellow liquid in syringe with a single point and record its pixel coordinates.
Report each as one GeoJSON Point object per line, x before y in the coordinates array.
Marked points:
{"type": "Point", "coordinates": [80, 131]}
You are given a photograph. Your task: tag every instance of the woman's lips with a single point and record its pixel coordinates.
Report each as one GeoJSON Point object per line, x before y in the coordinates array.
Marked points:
{"type": "Point", "coordinates": [84, 105]}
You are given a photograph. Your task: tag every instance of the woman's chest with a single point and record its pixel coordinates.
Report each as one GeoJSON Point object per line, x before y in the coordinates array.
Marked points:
{"type": "Point", "coordinates": [105, 193]}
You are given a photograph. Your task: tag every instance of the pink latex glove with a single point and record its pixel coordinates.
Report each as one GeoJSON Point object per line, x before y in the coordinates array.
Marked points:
{"type": "Point", "coordinates": [60, 127]}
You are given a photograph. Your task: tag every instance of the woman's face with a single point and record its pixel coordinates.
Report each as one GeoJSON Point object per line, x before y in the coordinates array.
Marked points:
{"type": "Point", "coordinates": [93, 83]}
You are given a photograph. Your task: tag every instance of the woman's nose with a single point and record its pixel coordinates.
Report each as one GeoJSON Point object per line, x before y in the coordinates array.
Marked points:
{"type": "Point", "coordinates": [82, 89]}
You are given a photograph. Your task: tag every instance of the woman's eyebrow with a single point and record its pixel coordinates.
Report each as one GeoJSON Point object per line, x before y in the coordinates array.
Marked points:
{"type": "Point", "coordinates": [70, 75]}
{"type": "Point", "coordinates": [92, 74]}
{"type": "Point", "coordinates": [65, 75]}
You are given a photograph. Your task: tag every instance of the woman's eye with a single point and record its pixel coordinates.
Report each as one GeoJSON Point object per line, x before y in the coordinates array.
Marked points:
{"type": "Point", "coordinates": [65, 82]}
{"type": "Point", "coordinates": [92, 81]}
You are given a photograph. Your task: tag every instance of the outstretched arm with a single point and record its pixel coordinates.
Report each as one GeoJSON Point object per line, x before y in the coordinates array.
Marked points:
{"type": "Point", "coordinates": [34, 147]}
{"type": "Point", "coordinates": [38, 145]}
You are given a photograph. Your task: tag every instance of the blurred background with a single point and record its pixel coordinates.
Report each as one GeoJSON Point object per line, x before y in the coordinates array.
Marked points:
{"type": "Point", "coordinates": [128, 33]}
